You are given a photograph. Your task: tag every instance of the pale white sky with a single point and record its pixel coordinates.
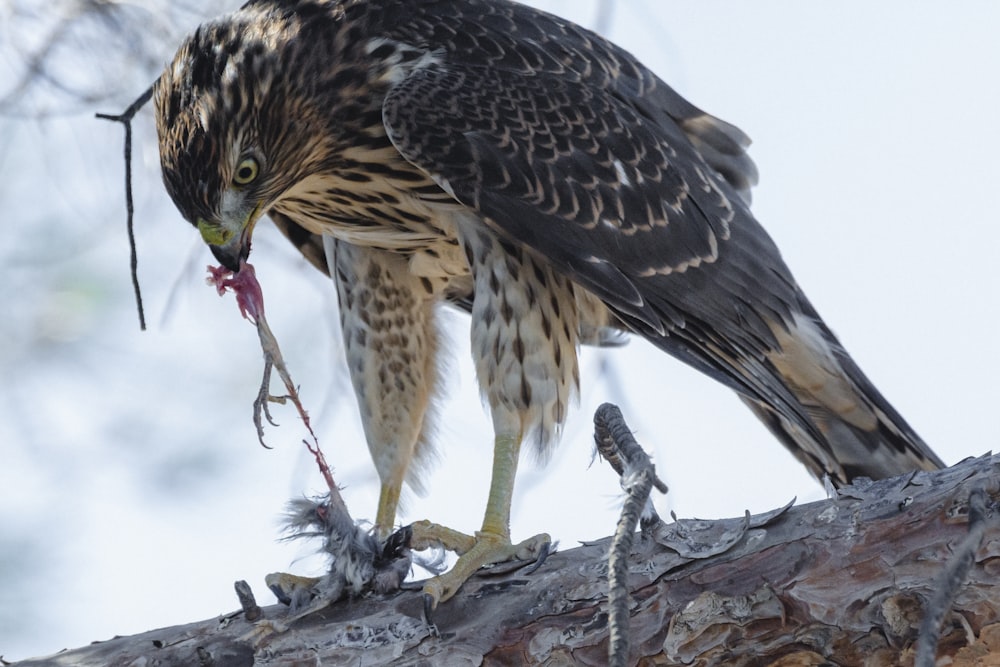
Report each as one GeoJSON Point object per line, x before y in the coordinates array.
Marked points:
{"type": "Point", "coordinates": [134, 492]}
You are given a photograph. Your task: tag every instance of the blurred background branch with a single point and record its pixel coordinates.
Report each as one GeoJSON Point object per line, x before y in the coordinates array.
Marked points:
{"type": "Point", "coordinates": [68, 56]}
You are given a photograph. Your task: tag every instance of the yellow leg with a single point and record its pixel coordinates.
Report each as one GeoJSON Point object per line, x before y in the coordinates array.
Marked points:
{"type": "Point", "coordinates": [506, 450]}
{"type": "Point", "coordinates": [489, 545]}
{"type": "Point", "coordinates": [388, 500]}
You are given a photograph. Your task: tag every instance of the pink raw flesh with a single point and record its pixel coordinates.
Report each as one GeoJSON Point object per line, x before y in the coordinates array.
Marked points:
{"type": "Point", "coordinates": [249, 296]}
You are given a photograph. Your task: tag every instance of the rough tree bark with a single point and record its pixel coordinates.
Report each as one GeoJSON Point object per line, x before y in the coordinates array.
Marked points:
{"type": "Point", "coordinates": [839, 582]}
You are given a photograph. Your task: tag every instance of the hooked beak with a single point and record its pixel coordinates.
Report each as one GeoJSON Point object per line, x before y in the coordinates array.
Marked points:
{"type": "Point", "coordinates": [230, 247]}
{"type": "Point", "coordinates": [231, 254]}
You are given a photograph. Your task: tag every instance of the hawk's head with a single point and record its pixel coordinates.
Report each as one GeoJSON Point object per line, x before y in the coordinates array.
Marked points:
{"type": "Point", "coordinates": [235, 116]}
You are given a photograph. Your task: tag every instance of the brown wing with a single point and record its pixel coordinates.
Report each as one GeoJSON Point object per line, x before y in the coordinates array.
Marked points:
{"type": "Point", "coordinates": [624, 205]}
{"type": "Point", "coordinates": [567, 145]}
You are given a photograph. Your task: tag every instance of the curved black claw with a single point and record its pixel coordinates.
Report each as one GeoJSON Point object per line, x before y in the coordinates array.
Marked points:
{"type": "Point", "coordinates": [397, 543]}
{"type": "Point", "coordinates": [543, 555]}
{"type": "Point", "coordinates": [279, 592]}
{"type": "Point", "coordinates": [429, 604]}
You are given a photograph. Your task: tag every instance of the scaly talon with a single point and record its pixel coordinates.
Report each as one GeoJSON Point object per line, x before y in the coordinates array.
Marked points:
{"type": "Point", "coordinates": [543, 555]}
{"type": "Point", "coordinates": [429, 605]}
{"type": "Point", "coordinates": [426, 535]}
{"type": "Point", "coordinates": [474, 552]}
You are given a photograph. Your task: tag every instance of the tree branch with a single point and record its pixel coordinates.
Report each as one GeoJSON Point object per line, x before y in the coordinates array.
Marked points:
{"type": "Point", "coordinates": [845, 581]}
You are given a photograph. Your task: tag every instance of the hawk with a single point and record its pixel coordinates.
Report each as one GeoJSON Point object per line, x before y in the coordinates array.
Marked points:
{"type": "Point", "coordinates": [485, 154]}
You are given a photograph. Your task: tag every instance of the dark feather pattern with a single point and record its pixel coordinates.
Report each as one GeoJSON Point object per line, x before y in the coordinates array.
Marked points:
{"type": "Point", "coordinates": [391, 124]}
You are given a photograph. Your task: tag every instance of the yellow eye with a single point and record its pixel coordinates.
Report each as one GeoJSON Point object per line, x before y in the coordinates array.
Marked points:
{"type": "Point", "coordinates": [246, 171]}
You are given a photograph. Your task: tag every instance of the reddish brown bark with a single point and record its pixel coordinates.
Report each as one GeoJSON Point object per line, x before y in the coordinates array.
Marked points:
{"type": "Point", "coordinates": [843, 582]}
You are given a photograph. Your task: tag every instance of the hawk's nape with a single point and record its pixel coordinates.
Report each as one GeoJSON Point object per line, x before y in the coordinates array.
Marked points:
{"type": "Point", "coordinates": [488, 155]}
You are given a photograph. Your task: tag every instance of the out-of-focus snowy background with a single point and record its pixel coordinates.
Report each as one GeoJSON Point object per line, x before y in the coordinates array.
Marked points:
{"type": "Point", "coordinates": [132, 490]}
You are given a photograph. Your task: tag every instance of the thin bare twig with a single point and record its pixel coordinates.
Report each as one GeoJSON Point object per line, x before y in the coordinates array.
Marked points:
{"type": "Point", "coordinates": [605, 14]}
{"type": "Point", "coordinates": [125, 118]}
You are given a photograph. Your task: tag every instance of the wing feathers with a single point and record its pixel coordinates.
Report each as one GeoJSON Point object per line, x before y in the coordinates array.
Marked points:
{"type": "Point", "coordinates": [567, 145]}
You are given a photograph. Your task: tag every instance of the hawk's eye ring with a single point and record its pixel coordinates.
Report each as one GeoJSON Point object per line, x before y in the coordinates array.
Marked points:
{"type": "Point", "coordinates": [246, 171]}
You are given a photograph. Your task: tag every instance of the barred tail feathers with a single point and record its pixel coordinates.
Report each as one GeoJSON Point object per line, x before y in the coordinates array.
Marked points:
{"type": "Point", "coordinates": [860, 433]}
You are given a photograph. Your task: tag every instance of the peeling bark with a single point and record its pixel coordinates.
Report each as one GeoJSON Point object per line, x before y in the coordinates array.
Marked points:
{"type": "Point", "coordinates": [839, 582]}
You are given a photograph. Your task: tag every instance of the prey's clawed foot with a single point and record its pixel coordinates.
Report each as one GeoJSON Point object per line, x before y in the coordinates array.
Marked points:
{"type": "Point", "coordinates": [474, 552]}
